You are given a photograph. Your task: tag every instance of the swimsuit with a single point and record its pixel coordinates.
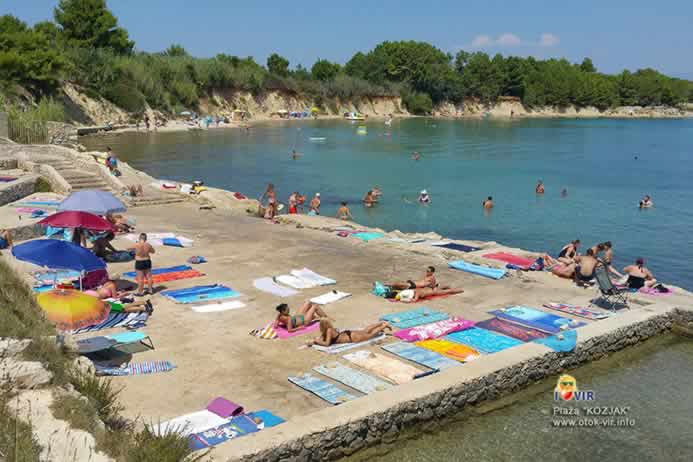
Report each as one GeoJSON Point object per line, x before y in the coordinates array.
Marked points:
{"type": "Point", "coordinates": [635, 282]}
{"type": "Point", "coordinates": [143, 265]}
{"type": "Point", "coordinates": [348, 334]}
{"type": "Point", "coordinates": [564, 253]}
{"type": "Point", "coordinates": [294, 320]}
{"type": "Point", "coordinates": [582, 277]}
{"type": "Point", "coordinates": [412, 284]}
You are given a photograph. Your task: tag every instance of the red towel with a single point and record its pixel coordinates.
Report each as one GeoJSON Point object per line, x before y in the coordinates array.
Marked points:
{"type": "Point", "coordinates": [239, 196]}
{"type": "Point", "coordinates": [176, 275]}
{"type": "Point", "coordinates": [510, 258]}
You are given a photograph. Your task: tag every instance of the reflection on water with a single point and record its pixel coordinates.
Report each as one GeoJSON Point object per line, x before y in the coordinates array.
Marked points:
{"type": "Point", "coordinates": [652, 381]}
{"type": "Point", "coordinates": [462, 163]}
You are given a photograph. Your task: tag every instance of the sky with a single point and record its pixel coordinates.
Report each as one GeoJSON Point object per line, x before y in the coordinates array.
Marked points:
{"type": "Point", "coordinates": [616, 34]}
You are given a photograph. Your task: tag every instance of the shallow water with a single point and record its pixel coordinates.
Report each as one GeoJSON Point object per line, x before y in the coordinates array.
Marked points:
{"type": "Point", "coordinates": [462, 163]}
{"type": "Point", "coordinates": [652, 380]}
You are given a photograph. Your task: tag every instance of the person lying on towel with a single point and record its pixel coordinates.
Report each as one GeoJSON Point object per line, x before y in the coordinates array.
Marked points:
{"type": "Point", "coordinates": [308, 313]}
{"type": "Point", "coordinates": [329, 335]}
{"type": "Point", "coordinates": [414, 295]}
{"type": "Point", "coordinates": [428, 281]}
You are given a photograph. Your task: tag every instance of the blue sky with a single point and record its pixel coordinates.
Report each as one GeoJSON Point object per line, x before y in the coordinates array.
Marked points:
{"type": "Point", "coordinates": [617, 34]}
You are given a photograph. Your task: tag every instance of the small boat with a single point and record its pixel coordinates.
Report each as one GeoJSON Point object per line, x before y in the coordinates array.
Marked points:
{"type": "Point", "coordinates": [354, 116]}
{"type": "Point", "coordinates": [362, 130]}
{"type": "Point", "coordinates": [317, 139]}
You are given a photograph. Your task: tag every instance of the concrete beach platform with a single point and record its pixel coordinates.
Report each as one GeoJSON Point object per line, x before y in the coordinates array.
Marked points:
{"type": "Point", "coordinates": [215, 355]}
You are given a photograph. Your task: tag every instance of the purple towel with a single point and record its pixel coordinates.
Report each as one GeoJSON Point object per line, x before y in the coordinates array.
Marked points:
{"type": "Point", "coordinates": [224, 408]}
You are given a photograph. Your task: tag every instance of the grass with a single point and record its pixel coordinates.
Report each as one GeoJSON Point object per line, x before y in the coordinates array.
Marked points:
{"type": "Point", "coordinates": [101, 395]}
{"type": "Point", "coordinates": [78, 412]}
{"type": "Point", "coordinates": [17, 442]}
{"type": "Point", "coordinates": [21, 315]}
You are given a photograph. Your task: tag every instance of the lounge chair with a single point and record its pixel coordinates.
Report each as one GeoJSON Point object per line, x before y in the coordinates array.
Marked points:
{"type": "Point", "coordinates": [106, 342]}
{"type": "Point", "coordinates": [608, 292]}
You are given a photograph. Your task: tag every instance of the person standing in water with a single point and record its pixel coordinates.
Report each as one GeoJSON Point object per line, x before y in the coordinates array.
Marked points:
{"type": "Point", "coordinates": [488, 203]}
{"type": "Point", "coordinates": [376, 192]}
{"type": "Point", "coordinates": [315, 204]}
{"type": "Point", "coordinates": [369, 199]}
{"type": "Point", "coordinates": [424, 198]}
{"type": "Point", "coordinates": [539, 188]}
{"type": "Point", "coordinates": [343, 213]}
{"type": "Point", "coordinates": [295, 155]}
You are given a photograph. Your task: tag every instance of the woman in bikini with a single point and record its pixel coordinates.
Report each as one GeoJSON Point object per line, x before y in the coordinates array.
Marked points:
{"type": "Point", "coordinates": [110, 290]}
{"type": "Point", "coordinates": [329, 335]}
{"type": "Point", "coordinates": [308, 313]}
{"type": "Point", "coordinates": [568, 252]}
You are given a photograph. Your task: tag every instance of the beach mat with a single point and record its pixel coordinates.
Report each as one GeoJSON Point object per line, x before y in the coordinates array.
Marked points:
{"type": "Point", "coordinates": [217, 307]}
{"type": "Point", "coordinates": [516, 331]}
{"type": "Point", "coordinates": [510, 258]}
{"type": "Point", "coordinates": [176, 276]}
{"type": "Point", "coordinates": [330, 297]}
{"type": "Point", "coordinates": [342, 347]}
{"type": "Point", "coordinates": [458, 247]}
{"type": "Point", "coordinates": [482, 340]}
{"type": "Point", "coordinates": [493, 273]}
{"type": "Point", "coordinates": [265, 419]}
{"type": "Point", "coordinates": [427, 297]}
{"type": "Point", "coordinates": [142, 368]}
{"type": "Point", "coordinates": [116, 319]}
{"type": "Point", "coordinates": [392, 369]}
{"type": "Point", "coordinates": [195, 422]}
{"type": "Point", "coordinates": [563, 342]}
{"type": "Point", "coordinates": [200, 293]}
{"type": "Point", "coordinates": [415, 317]}
{"type": "Point", "coordinates": [294, 282]}
{"type": "Point", "coordinates": [282, 333]}
{"type": "Point", "coordinates": [157, 271]}
{"type": "Point", "coordinates": [449, 349]}
{"type": "Point", "coordinates": [322, 389]}
{"type": "Point", "coordinates": [271, 287]}
{"type": "Point", "coordinates": [654, 292]}
{"type": "Point", "coordinates": [580, 311]}
{"type": "Point", "coordinates": [352, 378]}
{"type": "Point", "coordinates": [433, 330]}
{"type": "Point", "coordinates": [238, 426]}
{"type": "Point", "coordinates": [418, 355]}
{"type": "Point", "coordinates": [531, 317]}
{"type": "Point", "coordinates": [317, 279]}
{"type": "Point", "coordinates": [366, 237]}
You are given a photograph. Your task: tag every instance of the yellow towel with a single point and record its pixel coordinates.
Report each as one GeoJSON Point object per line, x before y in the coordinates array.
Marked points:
{"type": "Point", "coordinates": [450, 349]}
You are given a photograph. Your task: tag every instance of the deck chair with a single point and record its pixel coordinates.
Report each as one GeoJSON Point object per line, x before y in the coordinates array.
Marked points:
{"type": "Point", "coordinates": [106, 342]}
{"type": "Point", "coordinates": [608, 292]}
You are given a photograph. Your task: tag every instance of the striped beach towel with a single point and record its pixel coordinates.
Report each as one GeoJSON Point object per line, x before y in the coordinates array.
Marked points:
{"type": "Point", "coordinates": [268, 332]}
{"type": "Point", "coordinates": [117, 319]}
{"type": "Point", "coordinates": [147, 367]}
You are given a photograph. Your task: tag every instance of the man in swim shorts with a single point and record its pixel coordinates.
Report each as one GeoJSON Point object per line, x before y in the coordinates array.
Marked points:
{"type": "Point", "coordinates": [584, 269]}
{"type": "Point", "coordinates": [429, 281]}
{"type": "Point", "coordinates": [143, 265]}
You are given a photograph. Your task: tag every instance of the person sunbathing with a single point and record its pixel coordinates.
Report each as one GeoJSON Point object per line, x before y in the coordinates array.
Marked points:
{"type": "Point", "coordinates": [109, 290]}
{"type": "Point", "coordinates": [429, 280]}
{"type": "Point", "coordinates": [308, 313]}
{"type": "Point", "coordinates": [120, 223]}
{"type": "Point", "coordinates": [329, 335]}
{"type": "Point", "coordinates": [563, 270]}
{"type": "Point", "coordinates": [639, 276]}
{"type": "Point", "coordinates": [426, 292]}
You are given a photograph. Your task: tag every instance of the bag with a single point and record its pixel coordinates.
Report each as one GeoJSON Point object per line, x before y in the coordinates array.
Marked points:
{"type": "Point", "coordinates": [380, 290]}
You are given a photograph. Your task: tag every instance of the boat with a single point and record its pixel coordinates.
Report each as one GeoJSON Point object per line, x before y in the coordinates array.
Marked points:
{"type": "Point", "coordinates": [354, 116]}
{"type": "Point", "coordinates": [362, 130]}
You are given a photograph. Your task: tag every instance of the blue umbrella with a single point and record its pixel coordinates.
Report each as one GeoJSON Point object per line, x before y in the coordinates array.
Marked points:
{"type": "Point", "coordinates": [52, 253]}
{"type": "Point", "coordinates": [92, 201]}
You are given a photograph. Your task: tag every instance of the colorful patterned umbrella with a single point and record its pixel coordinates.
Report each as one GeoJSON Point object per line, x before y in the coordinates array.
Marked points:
{"type": "Point", "coordinates": [72, 309]}
{"type": "Point", "coordinates": [75, 219]}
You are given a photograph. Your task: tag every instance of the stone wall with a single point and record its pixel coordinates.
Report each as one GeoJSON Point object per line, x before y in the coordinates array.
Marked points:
{"type": "Point", "coordinates": [61, 133]}
{"type": "Point", "coordinates": [51, 175]}
{"type": "Point", "coordinates": [4, 125]}
{"type": "Point", "coordinates": [337, 432]}
{"type": "Point", "coordinates": [15, 190]}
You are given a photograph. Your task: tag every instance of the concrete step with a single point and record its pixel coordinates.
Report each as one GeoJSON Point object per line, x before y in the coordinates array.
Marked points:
{"type": "Point", "coordinates": [85, 180]}
{"type": "Point", "coordinates": [144, 202]}
{"type": "Point", "coordinates": [91, 187]}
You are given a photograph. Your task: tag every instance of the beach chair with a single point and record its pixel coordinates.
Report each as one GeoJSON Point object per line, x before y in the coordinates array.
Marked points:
{"type": "Point", "coordinates": [106, 342]}
{"type": "Point", "coordinates": [608, 292]}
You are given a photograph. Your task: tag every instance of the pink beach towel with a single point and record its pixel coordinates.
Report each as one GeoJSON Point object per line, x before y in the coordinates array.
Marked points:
{"type": "Point", "coordinates": [433, 330]}
{"type": "Point", "coordinates": [224, 408]}
{"type": "Point", "coordinates": [510, 258]}
{"type": "Point", "coordinates": [282, 333]}
{"type": "Point", "coordinates": [654, 292]}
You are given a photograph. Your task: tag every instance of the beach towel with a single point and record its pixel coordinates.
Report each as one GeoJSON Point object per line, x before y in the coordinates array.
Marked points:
{"type": "Point", "coordinates": [330, 297]}
{"type": "Point", "coordinates": [293, 281]}
{"type": "Point", "coordinates": [224, 408]}
{"type": "Point", "coordinates": [236, 427]}
{"type": "Point", "coordinates": [178, 241]}
{"type": "Point", "coordinates": [176, 276]}
{"type": "Point", "coordinates": [239, 196]}
{"type": "Point", "coordinates": [200, 293]}
{"type": "Point", "coordinates": [418, 355]}
{"type": "Point", "coordinates": [530, 317]}
{"type": "Point", "coordinates": [217, 307]}
{"type": "Point", "coordinates": [482, 340]}
{"type": "Point", "coordinates": [580, 311]}
{"type": "Point", "coordinates": [159, 239]}
{"type": "Point", "coordinates": [7, 179]}
{"type": "Point", "coordinates": [415, 317]}
{"type": "Point", "coordinates": [117, 319]}
{"type": "Point", "coordinates": [342, 347]}
{"type": "Point", "coordinates": [282, 333]}
{"type": "Point", "coordinates": [654, 292]}
{"type": "Point", "coordinates": [120, 256]}
{"type": "Point", "coordinates": [427, 297]}
{"type": "Point", "coordinates": [271, 287]}
{"type": "Point", "coordinates": [493, 273]}
{"type": "Point", "coordinates": [458, 247]}
{"type": "Point", "coordinates": [322, 389]}
{"type": "Point", "coordinates": [516, 260]}
{"type": "Point", "coordinates": [158, 271]}
{"type": "Point", "coordinates": [265, 419]}
{"type": "Point", "coordinates": [392, 369]}
{"type": "Point", "coordinates": [267, 333]}
{"type": "Point", "coordinates": [47, 204]}
{"type": "Point", "coordinates": [315, 278]}
{"type": "Point", "coordinates": [449, 349]}
{"type": "Point", "coordinates": [195, 422]}
{"type": "Point", "coordinates": [433, 330]}
{"type": "Point", "coordinates": [47, 277]}
{"type": "Point", "coordinates": [148, 367]}
{"type": "Point", "coordinates": [522, 333]}
{"type": "Point", "coordinates": [563, 342]}
{"type": "Point", "coordinates": [357, 380]}
{"type": "Point", "coordinates": [366, 237]}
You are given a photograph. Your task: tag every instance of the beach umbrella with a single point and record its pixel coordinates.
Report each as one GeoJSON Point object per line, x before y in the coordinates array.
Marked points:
{"type": "Point", "coordinates": [92, 201]}
{"type": "Point", "coordinates": [72, 309]}
{"type": "Point", "coordinates": [75, 219]}
{"type": "Point", "coordinates": [52, 253]}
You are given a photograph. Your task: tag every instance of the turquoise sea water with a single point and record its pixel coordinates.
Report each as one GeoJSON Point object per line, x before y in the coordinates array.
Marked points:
{"type": "Point", "coordinates": [462, 163]}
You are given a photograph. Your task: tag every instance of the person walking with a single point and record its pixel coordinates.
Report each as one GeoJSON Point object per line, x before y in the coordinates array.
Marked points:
{"type": "Point", "coordinates": [143, 265]}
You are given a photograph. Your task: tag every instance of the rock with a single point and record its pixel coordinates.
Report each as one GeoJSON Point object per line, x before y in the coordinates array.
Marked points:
{"type": "Point", "coordinates": [84, 365]}
{"type": "Point", "coordinates": [12, 347]}
{"type": "Point", "coordinates": [25, 375]}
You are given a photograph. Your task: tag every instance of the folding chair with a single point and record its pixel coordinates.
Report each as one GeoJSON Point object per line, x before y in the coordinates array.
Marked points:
{"type": "Point", "coordinates": [608, 292]}
{"type": "Point", "coordinates": [106, 342]}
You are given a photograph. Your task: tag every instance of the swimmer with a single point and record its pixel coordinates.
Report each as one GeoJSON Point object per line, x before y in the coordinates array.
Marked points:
{"type": "Point", "coordinates": [376, 191]}
{"type": "Point", "coordinates": [564, 192]}
{"type": "Point", "coordinates": [424, 198]}
{"type": "Point", "coordinates": [295, 155]}
{"type": "Point", "coordinates": [539, 188]}
{"type": "Point", "coordinates": [416, 155]}
{"type": "Point", "coordinates": [343, 213]}
{"type": "Point", "coordinates": [646, 202]}
{"type": "Point", "coordinates": [488, 203]}
{"type": "Point", "coordinates": [369, 199]}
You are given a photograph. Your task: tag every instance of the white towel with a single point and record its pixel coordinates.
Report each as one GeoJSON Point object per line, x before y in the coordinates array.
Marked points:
{"type": "Point", "coordinates": [215, 307]}
{"type": "Point", "coordinates": [295, 282]}
{"type": "Point", "coordinates": [330, 297]}
{"type": "Point", "coordinates": [188, 424]}
{"type": "Point", "coordinates": [310, 276]}
{"type": "Point", "coordinates": [269, 286]}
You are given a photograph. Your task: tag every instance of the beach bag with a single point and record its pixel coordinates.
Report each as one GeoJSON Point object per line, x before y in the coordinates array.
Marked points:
{"type": "Point", "coordinates": [380, 290]}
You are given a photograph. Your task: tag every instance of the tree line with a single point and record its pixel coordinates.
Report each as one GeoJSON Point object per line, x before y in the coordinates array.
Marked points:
{"type": "Point", "coordinates": [84, 45]}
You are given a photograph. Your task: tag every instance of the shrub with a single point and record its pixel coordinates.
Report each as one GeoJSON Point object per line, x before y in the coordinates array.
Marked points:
{"type": "Point", "coordinates": [102, 396]}
{"type": "Point", "coordinates": [418, 103]}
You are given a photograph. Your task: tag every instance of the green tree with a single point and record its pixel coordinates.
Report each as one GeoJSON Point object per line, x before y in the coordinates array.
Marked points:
{"type": "Point", "coordinates": [278, 65]}
{"type": "Point", "coordinates": [176, 50]}
{"type": "Point", "coordinates": [357, 66]}
{"type": "Point", "coordinates": [324, 70]}
{"type": "Point", "coordinates": [90, 24]}
{"type": "Point", "coordinates": [587, 66]}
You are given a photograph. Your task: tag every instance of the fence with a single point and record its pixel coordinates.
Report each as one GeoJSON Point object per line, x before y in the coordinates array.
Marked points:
{"type": "Point", "coordinates": [27, 132]}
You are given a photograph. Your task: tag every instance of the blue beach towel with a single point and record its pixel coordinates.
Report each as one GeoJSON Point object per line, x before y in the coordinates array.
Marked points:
{"type": "Point", "coordinates": [357, 380]}
{"type": "Point", "coordinates": [567, 343]}
{"type": "Point", "coordinates": [148, 367]}
{"type": "Point", "coordinates": [493, 273]}
{"type": "Point", "coordinates": [419, 355]}
{"type": "Point", "coordinates": [415, 317]}
{"type": "Point", "coordinates": [325, 390]}
{"type": "Point", "coordinates": [238, 426]}
{"type": "Point", "coordinates": [537, 319]}
{"type": "Point", "coordinates": [266, 417]}
{"type": "Point", "coordinates": [368, 236]}
{"type": "Point", "coordinates": [169, 269]}
{"type": "Point", "coordinates": [483, 340]}
{"type": "Point", "coordinates": [172, 241]}
{"type": "Point", "coordinates": [200, 293]}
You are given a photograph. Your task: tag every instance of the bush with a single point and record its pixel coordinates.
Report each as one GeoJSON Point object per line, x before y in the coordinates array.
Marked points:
{"type": "Point", "coordinates": [101, 395]}
{"type": "Point", "coordinates": [42, 186]}
{"type": "Point", "coordinates": [418, 103]}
